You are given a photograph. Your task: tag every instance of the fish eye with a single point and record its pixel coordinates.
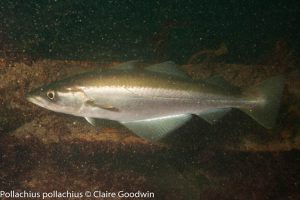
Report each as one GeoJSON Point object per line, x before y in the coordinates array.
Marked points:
{"type": "Point", "coordinates": [51, 94]}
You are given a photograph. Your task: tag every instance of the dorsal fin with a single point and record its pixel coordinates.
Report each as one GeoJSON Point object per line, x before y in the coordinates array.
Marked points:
{"type": "Point", "coordinates": [169, 68]}
{"type": "Point", "coordinates": [127, 65]}
{"type": "Point", "coordinates": [220, 82]}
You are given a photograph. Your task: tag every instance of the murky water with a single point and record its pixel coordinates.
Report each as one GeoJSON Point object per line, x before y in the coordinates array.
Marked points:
{"type": "Point", "coordinates": [48, 153]}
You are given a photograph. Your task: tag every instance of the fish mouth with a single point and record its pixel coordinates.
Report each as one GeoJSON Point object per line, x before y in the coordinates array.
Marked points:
{"type": "Point", "coordinates": [35, 100]}
{"type": "Point", "coordinates": [41, 102]}
{"type": "Point", "coordinates": [29, 98]}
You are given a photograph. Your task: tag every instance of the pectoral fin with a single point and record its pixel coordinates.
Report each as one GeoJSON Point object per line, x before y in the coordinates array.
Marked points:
{"type": "Point", "coordinates": [105, 107]}
{"type": "Point", "coordinates": [91, 120]}
{"type": "Point", "coordinates": [156, 129]}
{"type": "Point", "coordinates": [109, 107]}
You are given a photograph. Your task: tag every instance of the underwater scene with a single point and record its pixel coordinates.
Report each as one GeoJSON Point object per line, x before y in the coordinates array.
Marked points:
{"type": "Point", "coordinates": [183, 100]}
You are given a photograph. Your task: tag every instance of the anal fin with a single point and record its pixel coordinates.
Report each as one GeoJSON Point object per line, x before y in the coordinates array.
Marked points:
{"type": "Point", "coordinates": [157, 128]}
{"type": "Point", "coordinates": [212, 116]}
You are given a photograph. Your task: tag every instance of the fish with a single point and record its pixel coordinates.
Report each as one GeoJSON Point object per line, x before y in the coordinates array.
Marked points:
{"type": "Point", "coordinates": [156, 100]}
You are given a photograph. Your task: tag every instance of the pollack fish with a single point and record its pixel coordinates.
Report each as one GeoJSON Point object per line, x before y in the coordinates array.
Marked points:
{"type": "Point", "coordinates": [156, 100]}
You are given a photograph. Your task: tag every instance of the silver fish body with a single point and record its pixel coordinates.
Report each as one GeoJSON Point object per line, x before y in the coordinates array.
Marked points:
{"type": "Point", "coordinates": [153, 101]}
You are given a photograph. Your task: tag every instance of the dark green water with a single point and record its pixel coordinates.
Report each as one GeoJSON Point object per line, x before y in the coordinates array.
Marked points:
{"type": "Point", "coordinates": [194, 165]}
{"type": "Point", "coordinates": [125, 30]}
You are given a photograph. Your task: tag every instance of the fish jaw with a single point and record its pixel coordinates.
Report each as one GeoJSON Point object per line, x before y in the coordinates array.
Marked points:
{"type": "Point", "coordinates": [37, 100]}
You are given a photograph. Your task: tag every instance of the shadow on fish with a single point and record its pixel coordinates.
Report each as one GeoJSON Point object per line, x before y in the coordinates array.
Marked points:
{"type": "Point", "coordinates": [156, 100]}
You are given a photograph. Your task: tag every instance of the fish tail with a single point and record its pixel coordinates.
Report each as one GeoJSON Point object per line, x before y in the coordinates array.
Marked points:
{"type": "Point", "coordinates": [267, 97]}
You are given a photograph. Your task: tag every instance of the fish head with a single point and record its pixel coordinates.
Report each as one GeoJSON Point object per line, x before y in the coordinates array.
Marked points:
{"type": "Point", "coordinates": [58, 98]}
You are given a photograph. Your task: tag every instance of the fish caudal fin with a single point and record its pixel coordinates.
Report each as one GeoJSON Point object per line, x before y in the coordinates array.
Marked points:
{"type": "Point", "coordinates": [268, 95]}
